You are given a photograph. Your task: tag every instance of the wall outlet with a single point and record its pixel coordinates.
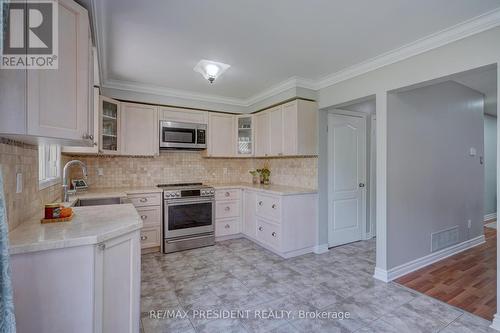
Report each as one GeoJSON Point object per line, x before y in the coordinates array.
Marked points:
{"type": "Point", "coordinates": [100, 171]}
{"type": "Point", "coordinates": [469, 224]}
{"type": "Point", "coordinates": [19, 182]}
{"type": "Point", "coordinates": [472, 152]}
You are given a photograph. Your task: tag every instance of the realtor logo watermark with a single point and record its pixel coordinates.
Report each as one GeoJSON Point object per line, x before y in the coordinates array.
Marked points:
{"type": "Point", "coordinates": [29, 34]}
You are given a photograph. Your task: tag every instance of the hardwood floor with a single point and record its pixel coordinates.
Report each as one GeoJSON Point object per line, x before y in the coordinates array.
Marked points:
{"type": "Point", "coordinates": [466, 280]}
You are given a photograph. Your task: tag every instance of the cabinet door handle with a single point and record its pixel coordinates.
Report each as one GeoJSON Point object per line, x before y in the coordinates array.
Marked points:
{"type": "Point", "coordinates": [274, 206]}
{"type": "Point", "coordinates": [227, 209]}
{"type": "Point", "coordinates": [91, 137]}
{"type": "Point", "coordinates": [274, 234]}
{"type": "Point", "coordinates": [227, 226]}
{"type": "Point", "coordinates": [143, 217]}
{"type": "Point", "coordinates": [101, 246]}
{"type": "Point", "coordinates": [260, 203]}
{"type": "Point", "coordinates": [227, 194]}
{"type": "Point", "coordinates": [144, 238]}
{"type": "Point", "coordinates": [143, 200]}
{"type": "Point", "coordinates": [260, 228]}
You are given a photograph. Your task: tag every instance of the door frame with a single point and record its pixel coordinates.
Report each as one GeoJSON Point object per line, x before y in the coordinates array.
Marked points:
{"type": "Point", "coordinates": [373, 177]}
{"type": "Point", "coordinates": [338, 112]}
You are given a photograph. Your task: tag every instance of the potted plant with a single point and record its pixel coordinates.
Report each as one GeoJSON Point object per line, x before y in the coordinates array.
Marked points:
{"type": "Point", "coordinates": [255, 176]}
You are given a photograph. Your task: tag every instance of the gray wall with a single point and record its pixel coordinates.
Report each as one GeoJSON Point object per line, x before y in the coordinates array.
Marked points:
{"type": "Point", "coordinates": [433, 184]}
{"type": "Point", "coordinates": [490, 164]}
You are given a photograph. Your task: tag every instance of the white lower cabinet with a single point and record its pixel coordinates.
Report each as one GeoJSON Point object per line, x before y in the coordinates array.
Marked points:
{"type": "Point", "coordinates": [89, 288]}
{"type": "Point", "coordinates": [227, 212]}
{"type": "Point", "coordinates": [149, 208]}
{"type": "Point", "coordinates": [284, 224]}
{"type": "Point", "coordinates": [118, 277]}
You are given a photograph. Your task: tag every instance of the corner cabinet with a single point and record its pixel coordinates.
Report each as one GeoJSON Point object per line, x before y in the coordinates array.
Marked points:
{"type": "Point", "coordinates": [109, 126]}
{"type": "Point", "coordinates": [101, 281]}
{"type": "Point", "coordinates": [53, 103]}
{"type": "Point", "coordinates": [244, 136]}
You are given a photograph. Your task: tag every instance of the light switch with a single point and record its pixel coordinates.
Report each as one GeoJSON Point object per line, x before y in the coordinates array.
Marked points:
{"type": "Point", "coordinates": [100, 171]}
{"type": "Point", "coordinates": [472, 151]}
{"type": "Point", "coordinates": [19, 182]}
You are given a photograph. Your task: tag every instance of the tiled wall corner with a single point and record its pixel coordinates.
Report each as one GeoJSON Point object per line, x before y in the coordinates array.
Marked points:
{"type": "Point", "coordinates": [17, 157]}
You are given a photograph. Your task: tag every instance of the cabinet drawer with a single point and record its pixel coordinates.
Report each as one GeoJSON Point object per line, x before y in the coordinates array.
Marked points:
{"type": "Point", "coordinates": [225, 209]}
{"type": "Point", "coordinates": [150, 237]}
{"type": "Point", "coordinates": [146, 199]}
{"type": "Point", "coordinates": [269, 207]}
{"type": "Point", "coordinates": [150, 216]}
{"type": "Point", "coordinates": [227, 227]}
{"type": "Point", "coordinates": [227, 194]}
{"type": "Point", "coordinates": [269, 234]}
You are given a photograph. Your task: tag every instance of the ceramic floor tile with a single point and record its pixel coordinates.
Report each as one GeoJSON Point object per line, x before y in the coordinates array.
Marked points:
{"type": "Point", "coordinates": [468, 323]}
{"type": "Point", "coordinates": [240, 275]}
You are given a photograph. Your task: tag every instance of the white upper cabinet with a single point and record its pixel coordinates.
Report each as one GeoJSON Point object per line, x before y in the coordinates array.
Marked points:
{"type": "Point", "coordinates": [276, 131]}
{"type": "Point", "coordinates": [109, 126]}
{"type": "Point", "coordinates": [300, 122]}
{"type": "Point", "coordinates": [139, 129]}
{"type": "Point", "coordinates": [183, 115]}
{"type": "Point", "coordinates": [53, 103]}
{"type": "Point", "coordinates": [244, 136]}
{"type": "Point", "coordinates": [261, 126]}
{"type": "Point", "coordinates": [221, 138]}
{"type": "Point", "coordinates": [58, 99]}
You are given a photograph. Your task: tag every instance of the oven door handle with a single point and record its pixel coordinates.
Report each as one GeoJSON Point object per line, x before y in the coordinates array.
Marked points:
{"type": "Point", "coordinates": [176, 202]}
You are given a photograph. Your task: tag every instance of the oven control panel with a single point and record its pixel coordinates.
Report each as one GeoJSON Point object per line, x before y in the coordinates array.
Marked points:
{"type": "Point", "coordinates": [189, 193]}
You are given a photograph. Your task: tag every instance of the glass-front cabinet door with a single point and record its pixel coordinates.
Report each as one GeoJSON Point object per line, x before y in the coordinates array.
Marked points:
{"type": "Point", "coordinates": [109, 126]}
{"type": "Point", "coordinates": [245, 136]}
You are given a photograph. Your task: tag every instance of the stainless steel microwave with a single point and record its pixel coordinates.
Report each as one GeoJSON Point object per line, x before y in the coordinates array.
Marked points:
{"type": "Point", "coordinates": [174, 135]}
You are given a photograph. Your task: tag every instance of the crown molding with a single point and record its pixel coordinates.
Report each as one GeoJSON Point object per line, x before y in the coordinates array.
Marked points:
{"type": "Point", "coordinates": [173, 93]}
{"type": "Point", "coordinates": [449, 35]}
{"type": "Point", "coordinates": [459, 31]}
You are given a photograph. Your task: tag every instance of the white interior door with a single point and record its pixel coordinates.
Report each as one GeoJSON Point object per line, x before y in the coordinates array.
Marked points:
{"type": "Point", "coordinates": [346, 177]}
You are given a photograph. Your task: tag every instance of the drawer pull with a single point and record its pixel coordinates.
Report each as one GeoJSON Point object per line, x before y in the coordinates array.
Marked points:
{"type": "Point", "coordinates": [101, 246]}
{"type": "Point", "coordinates": [227, 194]}
{"type": "Point", "coordinates": [274, 234]}
{"type": "Point", "coordinates": [143, 200]}
{"type": "Point", "coordinates": [143, 217]}
{"type": "Point", "coordinates": [227, 226]}
{"type": "Point", "coordinates": [260, 228]}
{"type": "Point", "coordinates": [274, 206]}
{"type": "Point", "coordinates": [227, 209]}
{"type": "Point", "coordinates": [260, 203]}
{"type": "Point", "coordinates": [143, 238]}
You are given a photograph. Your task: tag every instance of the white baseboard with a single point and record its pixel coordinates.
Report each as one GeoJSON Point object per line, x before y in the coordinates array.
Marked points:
{"type": "Point", "coordinates": [496, 322]}
{"type": "Point", "coordinates": [491, 216]}
{"type": "Point", "coordinates": [381, 274]}
{"type": "Point", "coordinates": [416, 264]}
{"type": "Point", "coordinates": [320, 249]}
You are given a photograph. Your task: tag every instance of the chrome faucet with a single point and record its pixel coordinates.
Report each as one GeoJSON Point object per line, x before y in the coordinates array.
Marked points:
{"type": "Point", "coordinates": [65, 185]}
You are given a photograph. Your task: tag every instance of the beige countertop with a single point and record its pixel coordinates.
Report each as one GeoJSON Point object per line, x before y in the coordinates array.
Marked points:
{"type": "Point", "coordinates": [273, 189]}
{"type": "Point", "coordinates": [112, 192]}
{"type": "Point", "coordinates": [90, 225]}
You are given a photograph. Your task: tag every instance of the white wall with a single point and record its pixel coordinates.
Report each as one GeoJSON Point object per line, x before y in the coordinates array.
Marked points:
{"type": "Point", "coordinates": [433, 184]}
{"type": "Point", "coordinates": [490, 164]}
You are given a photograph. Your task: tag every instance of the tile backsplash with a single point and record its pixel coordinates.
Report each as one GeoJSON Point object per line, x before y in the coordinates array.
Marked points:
{"type": "Point", "coordinates": [173, 167]}
{"type": "Point", "coordinates": [169, 167]}
{"type": "Point", "coordinates": [22, 158]}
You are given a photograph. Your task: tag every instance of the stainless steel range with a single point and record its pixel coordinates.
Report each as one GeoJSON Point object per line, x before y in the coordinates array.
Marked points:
{"type": "Point", "coordinates": [188, 216]}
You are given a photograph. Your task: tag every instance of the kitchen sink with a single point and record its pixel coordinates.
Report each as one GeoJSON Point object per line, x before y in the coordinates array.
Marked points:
{"type": "Point", "coordinates": [100, 201]}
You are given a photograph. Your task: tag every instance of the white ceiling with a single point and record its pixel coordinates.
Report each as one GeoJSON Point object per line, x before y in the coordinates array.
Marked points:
{"type": "Point", "coordinates": [158, 42]}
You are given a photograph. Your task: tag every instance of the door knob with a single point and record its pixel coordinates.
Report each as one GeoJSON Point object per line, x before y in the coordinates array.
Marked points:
{"type": "Point", "coordinates": [361, 184]}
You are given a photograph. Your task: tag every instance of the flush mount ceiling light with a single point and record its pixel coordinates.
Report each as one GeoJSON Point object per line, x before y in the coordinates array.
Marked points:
{"type": "Point", "coordinates": [210, 69]}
